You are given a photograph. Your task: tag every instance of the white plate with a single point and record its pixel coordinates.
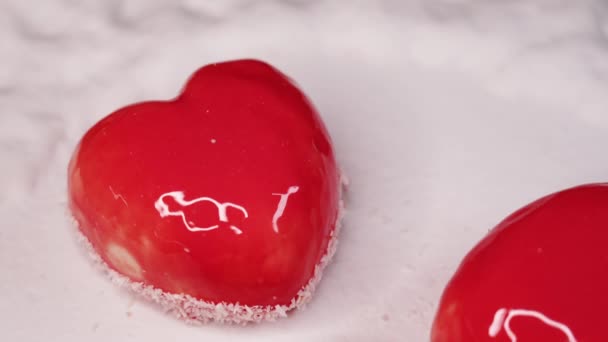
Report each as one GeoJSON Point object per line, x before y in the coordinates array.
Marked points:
{"type": "Point", "coordinates": [447, 116]}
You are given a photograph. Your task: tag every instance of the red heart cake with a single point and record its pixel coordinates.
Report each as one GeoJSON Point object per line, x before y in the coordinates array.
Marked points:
{"type": "Point", "coordinates": [539, 276]}
{"type": "Point", "coordinates": [222, 204]}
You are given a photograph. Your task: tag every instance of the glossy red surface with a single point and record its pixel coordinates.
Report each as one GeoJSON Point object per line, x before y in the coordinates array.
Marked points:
{"type": "Point", "coordinates": [545, 265]}
{"type": "Point", "coordinates": [191, 195]}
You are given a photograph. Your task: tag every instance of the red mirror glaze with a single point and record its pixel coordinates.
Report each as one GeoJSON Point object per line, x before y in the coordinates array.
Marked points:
{"type": "Point", "coordinates": [227, 194]}
{"type": "Point", "coordinates": [539, 276]}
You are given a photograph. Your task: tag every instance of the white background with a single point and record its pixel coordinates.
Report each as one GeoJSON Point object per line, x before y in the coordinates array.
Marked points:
{"type": "Point", "coordinates": [447, 116]}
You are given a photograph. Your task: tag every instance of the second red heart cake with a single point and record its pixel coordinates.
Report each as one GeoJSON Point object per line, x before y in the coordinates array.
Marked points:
{"type": "Point", "coordinates": [222, 204]}
{"type": "Point", "coordinates": [540, 275]}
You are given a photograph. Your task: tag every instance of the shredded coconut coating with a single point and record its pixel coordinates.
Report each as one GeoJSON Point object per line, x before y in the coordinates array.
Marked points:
{"type": "Point", "coordinates": [196, 311]}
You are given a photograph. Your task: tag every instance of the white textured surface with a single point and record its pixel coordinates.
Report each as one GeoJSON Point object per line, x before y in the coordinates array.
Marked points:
{"type": "Point", "coordinates": [446, 114]}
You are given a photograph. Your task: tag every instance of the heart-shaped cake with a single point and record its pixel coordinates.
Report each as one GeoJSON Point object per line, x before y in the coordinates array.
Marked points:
{"type": "Point", "coordinates": [222, 204]}
{"type": "Point", "coordinates": [540, 275]}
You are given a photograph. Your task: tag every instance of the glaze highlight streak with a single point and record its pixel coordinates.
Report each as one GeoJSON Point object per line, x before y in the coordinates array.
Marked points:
{"type": "Point", "coordinates": [163, 209]}
{"type": "Point", "coordinates": [502, 319]}
{"type": "Point", "coordinates": [281, 207]}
